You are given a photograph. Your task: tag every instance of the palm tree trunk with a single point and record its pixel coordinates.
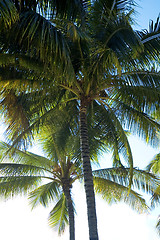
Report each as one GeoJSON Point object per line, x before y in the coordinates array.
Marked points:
{"type": "Point", "coordinates": [88, 178]}
{"type": "Point", "coordinates": [67, 192]}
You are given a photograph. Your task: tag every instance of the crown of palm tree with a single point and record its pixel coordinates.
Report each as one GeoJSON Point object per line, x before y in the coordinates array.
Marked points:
{"type": "Point", "coordinates": [95, 66]}
{"type": "Point", "coordinates": [46, 180]}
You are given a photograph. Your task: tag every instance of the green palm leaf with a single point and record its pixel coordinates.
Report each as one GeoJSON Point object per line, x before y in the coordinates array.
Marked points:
{"type": "Point", "coordinates": [70, 10]}
{"type": "Point", "coordinates": [35, 31]}
{"type": "Point", "coordinates": [24, 157]}
{"type": "Point", "coordinates": [154, 165]}
{"type": "Point", "coordinates": [150, 40]}
{"type": "Point", "coordinates": [44, 194]}
{"type": "Point", "coordinates": [8, 13]}
{"type": "Point", "coordinates": [158, 226]}
{"type": "Point", "coordinates": [142, 180]}
{"type": "Point", "coordinates": [14, 185]}
{"type": "Point", "coordinates": [14, 169]}
{"type": "Point", "coordinates": [114, 192]}
{"type": "Point", "coordinates": [140, 123]}
{"type": "Point", "coordinates": [20, 62]}
{"type": "Point", "coordinates": [58, 217]}
{"type": "Point", "coordinates": [119, 141]}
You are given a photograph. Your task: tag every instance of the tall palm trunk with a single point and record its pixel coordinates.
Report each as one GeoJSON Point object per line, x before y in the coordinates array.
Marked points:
{"type": "Point", "coordinates": [67, 192]}
{"type": "Point", "coordinates": [87, 171]}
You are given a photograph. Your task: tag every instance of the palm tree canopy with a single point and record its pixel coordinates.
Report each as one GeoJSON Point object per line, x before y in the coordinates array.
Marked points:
{"type": "Point", "coordinates": [106, 67]}
{"type": "Point", "coordinates": [95, 64]}
{"type": "Point", "coordinates": [41, 179]}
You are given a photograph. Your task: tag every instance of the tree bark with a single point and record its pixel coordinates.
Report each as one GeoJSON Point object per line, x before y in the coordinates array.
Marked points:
{"type": "Point", "coordinates": [87, 171]}
{"type": "Point", "coordinates": [67, 192]}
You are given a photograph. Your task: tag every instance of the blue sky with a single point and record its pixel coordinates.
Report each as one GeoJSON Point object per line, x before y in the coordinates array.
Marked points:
{"type": "Point", "coordinates": [116, 221]}
{"type": "Point", "coordinates": [147, 10]}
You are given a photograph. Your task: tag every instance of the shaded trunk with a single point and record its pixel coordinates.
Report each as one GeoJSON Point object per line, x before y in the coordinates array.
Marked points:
{"type": "Point", "coordinates": [67, 192]}
{"type": "Point", "coordinates": [88, 178]}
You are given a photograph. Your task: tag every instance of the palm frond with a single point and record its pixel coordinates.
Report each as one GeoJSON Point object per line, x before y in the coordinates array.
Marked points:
{"type": "Point", "coordinates": [138, 107]}
{"type": "Point", "coordinates": [155, 199]}
{"type": "Point", "coordinates": [58, 217]}
{"type": "Point", "coordinates": [114, 192]}
{"type": "Point", "coordinates": [158, 226]}
{"type": "Point", "coordinates": [8, 13]}
{"type": "Point", "coordinates": [140, 123]}
{"type": "Point", "coordinates": [39, 38]}
{"type": "Point", "coordinates": [44, 194]}
{"type": "Point", "coordinates": [142, 180]}
{"type": "Point", "coordinates": [121, 142]}
{"type": "Point", "coordinates": [15, 185]}
{"type": "Point", "coordinates": [23, 157]}
{"type": "Point", "coordinates": [151, 43]}
{"type": "Point", "coordinates": [16, 116]}
{"type": "Point", "coordinates": [46, 114]}
{"type": "Point", "coordinates": [14, 169]}
{"type": "Point", "coordinates": [116, 34]}
{"type": "Point", "coordinates": [153, 33]}
{"type": "Point", "coordinates": [68, 10]}
{"type": "Point", "coordinates": [154, 165]}
{"type": "Point", "coordinates": [20, 62]}
{"type": "Point", "coordinates": [101, 7]}
{"type": "Point", "coordinates": [25, 136]}
{"type": "Point", "coordinates": [141, 77]}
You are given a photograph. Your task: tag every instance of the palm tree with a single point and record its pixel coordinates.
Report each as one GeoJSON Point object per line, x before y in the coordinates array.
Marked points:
{"type": "Point", "coordinates": [104, 68]}
{"type": "Point", "coordinates": [46, 180]}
